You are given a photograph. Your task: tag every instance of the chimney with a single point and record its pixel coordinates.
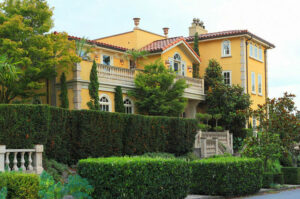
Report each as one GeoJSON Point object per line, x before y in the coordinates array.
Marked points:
{"type": "Point", "coordinates": [197, 26]}
{"type": "Point", "coordinates": [166, 31]}
{"type": "Point", "coordinates": [136, 22]}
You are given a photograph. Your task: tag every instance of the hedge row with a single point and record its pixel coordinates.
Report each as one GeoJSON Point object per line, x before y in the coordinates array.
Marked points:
{"type": "Point", "coordinates": [138, 177]}
{"type": "Point", "coordinates": [72, 135]}
{"type": "Point", "coordinates": [226, 176]}
{"type": "Point", "coordinates": [291, 175]}
{"type": "Point", "coordinates": [20, 185]}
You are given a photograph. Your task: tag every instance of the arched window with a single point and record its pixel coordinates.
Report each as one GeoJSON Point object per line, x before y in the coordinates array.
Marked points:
{"type": "Point", "coordinates": [177, 64]}
{"type": "Point", "coordinates": [177, 61]}
{"type": "Point", "coordinates": [128, 106]}
{"type": "Point", "coordinates": [105, 103]}
{"type": "Point", "coordinates": [226, 48]}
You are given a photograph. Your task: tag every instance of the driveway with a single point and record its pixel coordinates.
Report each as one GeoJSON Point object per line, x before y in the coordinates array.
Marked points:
{"type": "Point", "coordinates": [292, 194]}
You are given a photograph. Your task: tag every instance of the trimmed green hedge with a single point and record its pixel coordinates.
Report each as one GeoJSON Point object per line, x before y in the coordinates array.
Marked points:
{"type": "Point", "coordinates": [20, 185]}
{"type": "Point", "coordinates": [226, 176]}
{"type": "Point", "coordinates": [268, 179]}
{"type": "Point", "coordinates": [291, 175]}
{"type": "Point", "coordinates": [278, 178]}
{"type": "Point", "coordinates": [70, 135]}
{"type": "Point", "coordinates": [137, 177]}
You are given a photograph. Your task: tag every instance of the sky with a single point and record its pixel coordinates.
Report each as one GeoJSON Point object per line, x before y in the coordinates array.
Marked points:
{"type": "Point", "coordinates": [274, 20]}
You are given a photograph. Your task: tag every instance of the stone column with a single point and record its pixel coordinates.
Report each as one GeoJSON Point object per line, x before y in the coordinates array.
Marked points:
{"type": "Point", "coordinates": [2, 157]}
{"type": "Point", "coordinates": [217, 145]}
{"type": "Point", "coordinates": [191, 108]}
{"type": "Point", "coordinates": [203, 147]}
{"type": "Point", "coordinates": [77, 86]}
{"type": "Point", "coordinates": [243, 64]}
{"type": "Point", "coordinates": [38, 159]}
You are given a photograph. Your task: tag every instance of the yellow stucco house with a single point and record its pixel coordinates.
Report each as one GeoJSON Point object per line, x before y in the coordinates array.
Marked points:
{"type": "Point", "coordinates": [242, 55]}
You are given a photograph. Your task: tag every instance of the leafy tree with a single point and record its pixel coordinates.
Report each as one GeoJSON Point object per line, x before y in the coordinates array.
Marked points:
{"type": "Point", "coordinates": [64, 100]}
{"type": "Point", "coordinates": [134, 55]}
{"type": "Point", "coordinates": [196, 49]}
{"type": "Point", "coordinates": [266, 146]}
{"type": "Point", "coordinates": [156, 93]}
{"type": "Point", "coordinates": [94, 88]}
{"type": "Point", "coordinates": [83, 49]}
{"type": "Point", "coordinates": [213, 74]}
{"type": "Point", "coordinates": [119, 105]}
{"type": "Point", "coordinates": [24, 38]}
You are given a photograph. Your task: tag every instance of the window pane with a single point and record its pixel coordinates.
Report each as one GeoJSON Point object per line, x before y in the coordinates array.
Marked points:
{"type": "Point", "coordinates": [253, 81]}
{"type": "Point", "coordinates": [255, 52]}
{"type": "Point", "coordinates": [106, 59]}
{"type": "Point", "coordinates": [260, 53]}
{"type": "Point", "coordinates": [251, 50]}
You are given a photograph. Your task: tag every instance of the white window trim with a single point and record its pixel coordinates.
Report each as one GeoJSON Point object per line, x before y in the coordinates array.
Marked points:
{"type": "Point", "coordinates": [230, 79]}
{"type": "Point", "coordinates": [222, 49]}
{"type": "Point", "coordinates": [132, 103]}
{"type": "Point", "coordinates": [253, 53]}
{"type": "Point", "coordinates": [111, 59]}
{"type": "Point", "coordinates": [253, 75]}
{"type": "Point", "coordinates": [109, 101]}
{"type": "Point", "coordinates": [181, 62]}
{"type": "Point", "coordinates": [259, 75]}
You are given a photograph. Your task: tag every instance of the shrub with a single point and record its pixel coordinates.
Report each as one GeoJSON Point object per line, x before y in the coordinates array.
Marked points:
{"type": "Point", "coordinates": [286, 160]}
{"type": "Point", "coordinates": [137, 177]}
{"type": "Point", "coordinates": [268, 179]}
{"type": "Point", "coordinates": [189, 157]}
{"type": "Point", "coordinates": [159, 155]}
{"type": "Point", "coordinates": [20, 185]}
{"type": "Point", "coordinates": [3, 193]}
{"type": "Point", "coordinates": [291, 175]}
{"type": "Point", "coordinates": [55, 169]}
{"type": "Point", "coordinates": [218, 128]}
{"type": "Point", "coordinates": [227, 176]}
{"type": "Point", "coordinates": [278, 178]}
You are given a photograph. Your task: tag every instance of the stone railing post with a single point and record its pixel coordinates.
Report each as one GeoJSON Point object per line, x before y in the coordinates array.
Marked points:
{"type": "Point", "coordinates": [217, 145]}
{"type": "Point", "coordinates": [228, 138]}
{"type": "Point", "coordinates": [231, 142]}
{"type": "Point", "coordinates": [203, 147]}
{"type": "Point", "coordinates": [2, 157]}
{"type": "Point", "coordinates": [38, 159]}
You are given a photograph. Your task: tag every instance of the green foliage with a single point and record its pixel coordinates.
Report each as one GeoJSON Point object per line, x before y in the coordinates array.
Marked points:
{"type": "Point", "coordinates": [24, 28]}
{"type": "Point", "coordinates": [196, 49]}
{"type": "Point", "coordinates": [237, 143]}
{"type": "Point", "coordinates": [20, 185]}
{"type": "Point", "coordinates": [55, 169]}
{"type": "Point", "coordinates": [159, 155]}
{"type": "Point", "coordinates": [204, 127]}
{"type": "Point", "coordinates": [213, 74]}
{"type": "Point", "coordinates": [266, 146]}
{"type": "Point", "coordinates": [94, 88]}
{"type": "Point", "coordinates": [291, 175]}
{"type": "Point", "coordinates": [273, 166]}
{"type": "Point", "coordinates": [218, 128]}
{"type": "Point", "coordinates": [156, 93]}
{"type": "Point", "coordinates": [278, 178]}
{"type": "Point", "coordinates": [286, 160]}
{"type": "Point", "coordinates": [226, 176]}
{"type": "Point", "coordinates": [134, 55]}
{"type": "Point", "coordinates": [119, 104]}
{"type": "Point", "coordinates": [70, 135]}
{"type": "Point", "coordinates": [78, 187]}
{"type": "Point", "coordinates": [217, 117]}
{"type": "Point", "coordinates": [268, 179]}
{"type": "Point", "coordinates": [64, 100]}
{"type": "Point", "coordinates": [137, 177]}
{"type": "Point", "coordinates": [83, 48]}
{"type": "Point", "coordinates": [3, 193]}
{"type": "Point", "coordinates": [221, 156]}
{"type": "Point", "coordinates": [190, 156]}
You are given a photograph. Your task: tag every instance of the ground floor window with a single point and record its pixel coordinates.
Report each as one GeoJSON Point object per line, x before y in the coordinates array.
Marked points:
{"type": "Point", "coordinates": [227, 77]}
{"type": "Point", "coordinates": [128, 106]}
{"type": "Point", "coordinates": [105, 103]}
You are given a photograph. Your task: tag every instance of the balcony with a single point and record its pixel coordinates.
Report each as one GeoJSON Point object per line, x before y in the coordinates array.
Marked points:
{"type": "Point", "coordinates": [111, 76]}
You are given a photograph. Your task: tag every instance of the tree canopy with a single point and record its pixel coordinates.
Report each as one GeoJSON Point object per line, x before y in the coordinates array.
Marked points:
{"type": "Point", "coordinates": [156, 92]}
{"type": "Point", "coordinates": [24, 38]}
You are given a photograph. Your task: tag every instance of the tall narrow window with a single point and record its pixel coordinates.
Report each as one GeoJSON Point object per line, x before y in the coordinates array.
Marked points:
{"type": "Point", "coordinates": [254, 125]}
{"type": "Point", "coordinates": [177, 63]}
{"type": "Point", "coordinates": [251, 50]}
{"type": "Point", "coordinates": [259, 82]}
{"type": "Point", "coordinates": [128, 106]}
{"type": "Point", "coordinates": [226, 48]}
{"type": "Point", "coordinates": [255, 51]}
{"type": "Point", "coordinates": [253, 82]}
{"type": "Point", "coordinates": [227, 77]}
{"type": "Point", "coordinates": [105, 103]}
{"type": "Point", "coordinates": [260, 53]}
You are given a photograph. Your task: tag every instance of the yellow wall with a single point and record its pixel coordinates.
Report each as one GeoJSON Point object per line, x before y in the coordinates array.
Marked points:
{"type": "Point", "coordinates": [134, 39]}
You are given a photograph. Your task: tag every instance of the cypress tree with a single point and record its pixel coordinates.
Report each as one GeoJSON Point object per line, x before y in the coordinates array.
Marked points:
{"type": "Point", "coordinates": [196, 49]}
{"type": "Point", "coordinates": [94, 88]}
{"type": "Point", "coordinates": [119, 105]}
{"type": "Point", "coordinates": [64, 101]}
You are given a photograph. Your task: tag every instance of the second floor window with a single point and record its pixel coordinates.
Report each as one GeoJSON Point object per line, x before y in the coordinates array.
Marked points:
{"type": "Point", "coordinates": [106, 59]}
{"type": "Point", "coordinates": [251, 50]}
{"type": "Point", "coordinates": [227, 77]}
{"type": "Point", "coordinates": [226, 48]}
{"type": "Point", "coordinates": [255, 51]}
{"type": "Point", "coordinates": [260, 53]}
{"type": "Point", "coordinates": [177, 64]}
{"type": "Point", "coordinates": [259, 79]}
{"type": "Point", "coordinates": [253, 82]}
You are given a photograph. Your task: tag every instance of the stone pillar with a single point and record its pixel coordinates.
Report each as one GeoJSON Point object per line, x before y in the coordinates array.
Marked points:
{"type": "Point", "coordinates": [243, 64]}
{"type": "Point", "coordinates": [228, 138]}
{"type": "Point", "coordinates": [77, 86]}
{"type": "Point", "coordinates": [191, 108]}
{"type": "Point", "coordinates": [2, 157]}
{"type": "Point", "coordinates": [38, 159]}
{"type": "Point", "coordinates": [217, 145]}
{"type": "Point", "coordinates": [231, 142]}
{"type": "Point", "coordinates": [203, 147]}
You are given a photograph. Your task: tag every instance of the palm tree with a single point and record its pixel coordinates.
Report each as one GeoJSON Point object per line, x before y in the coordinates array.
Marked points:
{"type": "Point", "coordinates": [133, 55]}
{"type": "Point", "coordinates": [82, 49]}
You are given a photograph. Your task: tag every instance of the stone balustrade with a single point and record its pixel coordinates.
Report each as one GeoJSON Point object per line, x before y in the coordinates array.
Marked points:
{"type": "Point", "coordinates": [34, 163]}
{"type": "Point", "coordinates": [117, 76]}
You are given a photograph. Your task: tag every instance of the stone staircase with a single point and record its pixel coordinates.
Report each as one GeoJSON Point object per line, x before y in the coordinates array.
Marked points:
{"type": "Point", "coordinates": [213, 143]}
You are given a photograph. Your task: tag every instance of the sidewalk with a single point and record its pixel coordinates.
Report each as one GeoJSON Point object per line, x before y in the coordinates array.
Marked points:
{"type": "Point", "coordinates": [262, 191]}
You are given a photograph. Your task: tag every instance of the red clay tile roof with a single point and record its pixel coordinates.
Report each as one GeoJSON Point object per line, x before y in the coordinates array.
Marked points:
{"type": "Point", "coordinates": [100, 44]}
{"type": "Point", "coordinates": [228, 33]}
{"type": "Point", "coordinates": [163, 44]}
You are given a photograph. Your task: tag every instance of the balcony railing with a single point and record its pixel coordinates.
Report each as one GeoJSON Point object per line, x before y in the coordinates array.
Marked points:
{"type": "Point", "coordinates": [116, 76]}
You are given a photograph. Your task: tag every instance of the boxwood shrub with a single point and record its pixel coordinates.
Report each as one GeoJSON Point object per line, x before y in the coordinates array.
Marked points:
{"type": "Point", "coordinates": [268, 179]}
{"type": "Point", "coordinates": [291, 175]}
{"type": "Point", "coordinates": [226, 176]}
{"type": "Point", "coordinates": [278, 178]}
{"type": "Point", "coordinates": [20, 185]}
{"type": "Point", "coordinates": [71, 135]}
{"type": "Point", "coordinates": [136, 177]}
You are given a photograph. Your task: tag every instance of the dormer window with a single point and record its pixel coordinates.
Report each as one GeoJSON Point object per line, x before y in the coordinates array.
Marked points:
{"type": "Point", "coordinates": [226, 48]}
{"type": "Point", "coordinates": [177, 64]}
{"type": "Point", "coordinates": [177, 60]}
